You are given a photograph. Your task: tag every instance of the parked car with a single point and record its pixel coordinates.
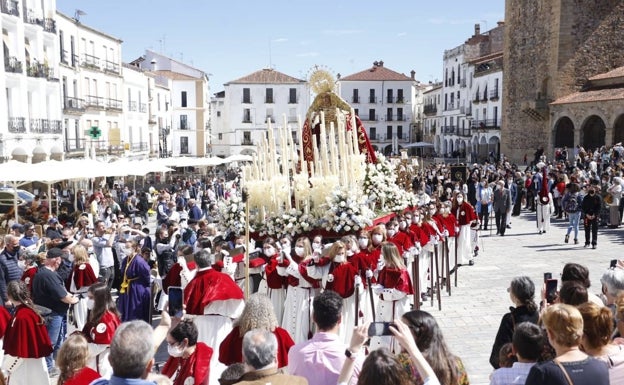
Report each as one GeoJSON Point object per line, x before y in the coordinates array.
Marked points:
{"type": "Point", "coordinates": [7, 197]}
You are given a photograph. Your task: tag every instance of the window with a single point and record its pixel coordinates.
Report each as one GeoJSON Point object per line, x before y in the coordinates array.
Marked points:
{"type": "Point", "coordinates": [247, 138]}
{"type": "Point", "coordinates": [220, 136]}
{"type": "Point", "coordinates": [400, 132]}
{"type": "Point", "coordinates": [356, 111]}
{"type": "Point", "coordinates": [73, 51]}
{"type": "Point", "coordinates": [390, 96]}
{"type": "Point", "coordinates": [158, 101]}
{"type": "Point", "coordinates": [388, 132]}
{"type": "Point", "coordinates": [356, 95]}
{"type": "Point", "coordinates": [389, 115]}
{"type": "Point", "coordinates": [246, 95]}
{"type": "Point", "coordinates": [218, 114]}
{"type": "Point", "coordinates": [183, 101]}
{"type": "Point", "coordinates": [371, 96]}
{"type": "Point", "coordinates": [371, 114]}
{"type": "Point", "coordinates": [400, 96]}
{"type": "Point", "coordinates": [62, 47]}
{"type": "Point", "coordinates": [184, 147]}
{"type": "Point", "coordinates": [268, 98]}
{"type": "Point", "coordinates": [184, 122]}
{"type": "Point", "coordinates": [269, 115]}
{"type": "Point", "coordinates": [495, 117]}
{"type": "Point", "coordinates": [400, 114]}
{"type": "Point", "coordinates": [247, 115]}
{"type": "Point", "coordinates": [292, 96]}
{"type": "Point", "coordinates": [373, 133]}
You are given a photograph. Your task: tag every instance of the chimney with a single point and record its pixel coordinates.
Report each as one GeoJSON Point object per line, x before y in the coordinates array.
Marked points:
{"type": "Point", "coordinates": [413, 74]}
{"type": "Point", "coordinates": [338, 76]}
{"type": "Point", "coordinates": [381, 63]}
{"type": "Point", "coordinates": [375, 63]}
{"type": "Point", "coordinates": [477, 29]}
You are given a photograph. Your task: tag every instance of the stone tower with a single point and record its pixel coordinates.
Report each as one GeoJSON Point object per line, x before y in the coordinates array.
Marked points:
{"type": "Point", "coordinates": [551, 48]}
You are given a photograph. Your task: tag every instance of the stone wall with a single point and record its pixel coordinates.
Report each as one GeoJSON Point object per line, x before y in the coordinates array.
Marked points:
{"type": "Point", "coordinates": [551, 48]}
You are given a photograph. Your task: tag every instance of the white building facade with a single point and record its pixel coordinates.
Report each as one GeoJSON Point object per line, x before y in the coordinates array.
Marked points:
{"type": "Point", "coordinates": [190, 132]}
{"type": "Point", "coordinates": [136, 129]}
{"type": "Point", "coordinates": [30, 121]}
{"type": "Point", "coordinates": [242, 111]}
{"type": "Point", "coordinates": [432, 102]}
{"type": "Point", "coordinates": [92, 88]}
{"type": "Point", "coordinates": [385, 101]}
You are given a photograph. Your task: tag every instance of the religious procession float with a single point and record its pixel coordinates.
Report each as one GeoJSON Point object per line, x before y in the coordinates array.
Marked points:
{"type": "Point", "coordinates": [328, 181]}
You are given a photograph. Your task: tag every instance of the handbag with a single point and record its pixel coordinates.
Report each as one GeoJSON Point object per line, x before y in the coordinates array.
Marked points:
{"type": "Point", "coordinates": [565, 373]}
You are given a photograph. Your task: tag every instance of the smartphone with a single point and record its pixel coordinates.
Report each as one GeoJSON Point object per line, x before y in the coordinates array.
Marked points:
{"type": "Point", "coordinates": [551, 290]}
{"type": "Point", "coordinates": [547, 276]}
{"type": "Point", "coordinates": [379, 329]}
{"type": "Point", "coordinates": [175, 301]}
{"type": "Point", "coordinates": [613, 263]}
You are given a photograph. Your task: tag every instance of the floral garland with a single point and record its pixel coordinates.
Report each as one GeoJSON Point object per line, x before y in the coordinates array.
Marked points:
{"type": "Point", "coordinates": [346, 212]}
{"type": "Point", "coordinates": [232, 214]}
{"type": "Point", "coordinates": [380, 185]}
{"type": "Point", "coordinates": [291, 222]}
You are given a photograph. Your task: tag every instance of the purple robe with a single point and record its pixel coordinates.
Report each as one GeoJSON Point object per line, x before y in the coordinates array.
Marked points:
{"type": "Point", "coordinates": [135, 302]}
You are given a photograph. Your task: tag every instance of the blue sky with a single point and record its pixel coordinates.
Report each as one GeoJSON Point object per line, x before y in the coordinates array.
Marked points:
{"type": "Point", "coordinates": [230, 39]}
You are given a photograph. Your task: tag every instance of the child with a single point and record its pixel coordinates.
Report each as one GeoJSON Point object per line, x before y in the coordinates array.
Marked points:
{"type": "Point", "coordinates": [527, 344]}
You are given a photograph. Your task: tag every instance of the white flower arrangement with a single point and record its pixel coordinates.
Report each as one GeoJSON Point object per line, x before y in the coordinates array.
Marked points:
{"type": "Point", "coordinates": [346, 212]}
{"type": "Point", "coordinates": [232, 213]}
{"type": "Point", "coordinates": [381, 188]}
{"type": "Point", "coordinates": [291, 222]}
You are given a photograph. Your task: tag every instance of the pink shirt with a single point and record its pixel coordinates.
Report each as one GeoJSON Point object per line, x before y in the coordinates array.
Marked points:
{"type": "Point", "coordinates": [320, 359]}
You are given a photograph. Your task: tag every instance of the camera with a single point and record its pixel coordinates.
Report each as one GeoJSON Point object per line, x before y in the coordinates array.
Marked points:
{"type": "Point", "coordinates": [178, 236]}
{"type": "Point", "coordinates": [380, 329]}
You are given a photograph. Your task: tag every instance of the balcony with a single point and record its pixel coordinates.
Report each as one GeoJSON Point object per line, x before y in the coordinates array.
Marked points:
{"type": "Point", "coordinates": [494, 94]}
{"type": "Point", "coordinates": [45, 126]}
{"type": "Point", "coordinates": [293, 100]}
{"type": "Point", "coordinates": [17, 125]}
{"type": "Point", "coordinates": [114, 104]}
{"type": "Point", "coordinates": [450, 106]}
{"type": "Point", "coordinates": [247, 142]}
{"type": "Point", "coordinates": [390, 99]}
{"type": "Point", "coordinates": [94, 102]}
{"type": "Point", "coordinates": [372, 99]}
{"type": "Point", "coordinates": [110, 66]}
{"type": "Point", "coordinates": [463, 83]}
{"type": "Point", "coordinates": [370, 118]}
{"type": "Point", "coordinates": [152, 119]}
{"type": "Point", "coordinates": [246, 100]}
{"type": "Point", "coordinates": [143, 107]}
{"type": "Point", "coordinates": [355, 99]}
{"type": "Point", "coordinates": [372, 136]}
{"type": "Point", "coordinates": [269, 100]}
{"type": "Point", "coordinates": [449, 129]}
{"type": "Point", "coordinates": [270, 118]}
{"type": "Point", "coordinates": [31, 18]}
{"type": "Point", "coordinates": [13, 65]}
{"type": "Point", "coordinates": [49, 25]}
{"type": "Point", "coordinates": [73, 105]}
{"type": "Point", "coordinates": [469, 111]}
{"type": "Point", "coordinates": [401, 118]}
{"type": "Point", "coordinates": [246, 119]}
{"type": "Point", "coordinates": [389, 118]}
{"type": "Point", "coordinates": [132, 106]}
{"type": "Point", "coordinates": [292, 119]}
{"type": "Point", "coordinates": [430, 109]}
{"type": "Point", "coordinates": [141, 146]}
{"type": "Point", "coordinates": [90, 61]}
{"type": "Point", "coordinates": [465, 132]}
{"type": "Point", "coordinates": [9, 7]}
{"type": "Point", "coordinates": [486, 124]}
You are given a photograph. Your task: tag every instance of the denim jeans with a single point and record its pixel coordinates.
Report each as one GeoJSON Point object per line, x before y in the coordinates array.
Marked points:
{"type": "Point", "coordinates": [56, 324]}
{"type": "Point", "coordinates": [573, 223]}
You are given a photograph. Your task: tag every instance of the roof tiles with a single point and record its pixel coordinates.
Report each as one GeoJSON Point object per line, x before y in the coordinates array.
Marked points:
{"type": "Point", "coordinates": [376, 73]}
{"type": "Point", "coordinates": [267, 76]}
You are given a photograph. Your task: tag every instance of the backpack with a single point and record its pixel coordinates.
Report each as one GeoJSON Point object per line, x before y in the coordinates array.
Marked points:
{"type": "Point", "coordinates": [571, 205]}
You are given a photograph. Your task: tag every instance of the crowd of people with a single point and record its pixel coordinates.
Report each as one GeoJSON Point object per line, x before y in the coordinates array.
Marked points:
{"type": "Point", "coordinates": [85, 288]}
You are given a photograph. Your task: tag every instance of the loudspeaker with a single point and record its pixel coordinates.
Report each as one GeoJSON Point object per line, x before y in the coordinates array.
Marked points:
{"type": "Point", "coordinates": [459, 173]}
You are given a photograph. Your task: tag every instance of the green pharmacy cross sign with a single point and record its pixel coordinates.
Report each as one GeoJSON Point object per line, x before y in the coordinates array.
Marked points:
{"type": "Point", "coordinates": [95, 132]}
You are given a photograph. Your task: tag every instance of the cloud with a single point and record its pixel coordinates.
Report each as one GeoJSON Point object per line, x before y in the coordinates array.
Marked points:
{"type": "Point", "coordinates": [280, 40]}
{"type": "Point", "coordinates": [341, 32]}
{"type": "Point", "coordinates": [307, 54]}
{"type": "Point", "coordinates": [401, 34]}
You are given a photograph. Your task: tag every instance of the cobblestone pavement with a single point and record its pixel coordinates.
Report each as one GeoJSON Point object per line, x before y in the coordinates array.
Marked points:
{"type": "Point", "coordinates": [471, 315]}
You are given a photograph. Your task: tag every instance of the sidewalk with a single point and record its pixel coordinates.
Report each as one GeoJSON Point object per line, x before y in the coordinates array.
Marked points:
{"type": "Point", "coordinates": [471, 316]}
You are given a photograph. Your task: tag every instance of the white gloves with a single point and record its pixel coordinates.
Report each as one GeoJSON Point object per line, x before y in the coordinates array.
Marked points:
{"type": "Point", "coordinates": [358, 280]}
{"type": "Point", "coordinates": [369, 273]}
{"type": "Point", "coordinates": [446, 233]}
{"type": "Point", "coordinates": [377, 288]}
{"type": "Point", "coordinates": [381, 264]}
{"type": "Point", "coordinates": [330, 278]}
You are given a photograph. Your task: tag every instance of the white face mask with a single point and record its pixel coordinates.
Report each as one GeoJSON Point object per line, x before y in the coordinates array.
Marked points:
{"type": "Point", "coordinates": [90, 303]}
{"type": "Point", "coordinates": [269, 251]}
{"type": "Point", "coordinates": [391, 232]}
{"type": "Point", "coordinates": [432, 212]}
{"type": "Point", "coordinates": [175, 351]}
{"type": "Point", "coordinates": [21, 264]}
{"type": "Point", "coordinates": [339, 258]}
{"type": "Point", "coordinates": [317, 246]}
{"type": "Point", "coordinates": [350, 253]}
{"type": "Point", "coordinates": [299, 251]}
{"type": "Point", "coordinates": [377, 238]}
{"type": "Point", "coordinates": [460, 200]}
{"type": "Point", "coordinates": [90, 250]}
{"type": "Point", "coordinates": [363, 243]}
{"type": "Point", "coordinates": [416, 219]}
{"type": "Point", "coordinates": [402, 225]}
{"type": "Point", "coordinates": [286, 248]}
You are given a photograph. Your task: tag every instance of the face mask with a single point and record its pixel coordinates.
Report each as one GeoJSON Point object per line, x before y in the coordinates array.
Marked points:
{"type": "Point", "coordinates": [363, 243]}
{"type": "Point", "coordinates": [286, 248]}
{"type": "Point", "coordinates": [350, 253]}
{"type": "Point", "coordinates": [90, 250]}
{"type": "Point", "coordinates": [416, 219]}
{"type": "Point", "coordinates": [408, 219]}
{"type": "Point", "coordinates": [269, 251]}
{"type": "Point", "coordinates": [432, 212]}
{"type": "Point", "coordinates": [90, 303]}
{"type": "Point", "coordinates": [339, 258]}
{"type": "Point", "coordinates": [391, 232]}
{"type": "Point", "coordinates": [70, 257]}
{"type": "Point", "coordinates": [377, 238]}
{"type": "Point", "coordinates": [128, 251]}
{"type": "Point", "coordinates": [316, 246]}
{"type": "Point", "coordinates": [175, 351]}
{"type": "Point", "coordinates": [402, 225]}
{"type": "Point", "coordinates": [460, 200]}
{"type": "Point", "coordinates": [21, 264]}
{"type": "Point", "coordinates": [483, 184]}
{"type": "Point", "coordinates": [449, 191]}
{"type": "Point", "coordinates": [299, 251]}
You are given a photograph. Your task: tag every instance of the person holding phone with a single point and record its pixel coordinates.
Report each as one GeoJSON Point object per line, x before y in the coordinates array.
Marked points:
{"type": "Point", "coordinates": [100, 327]}
{"type": "Point", "coordinates": [134, 295]}
{"type": "Point", "coordinates": [522, 294]}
